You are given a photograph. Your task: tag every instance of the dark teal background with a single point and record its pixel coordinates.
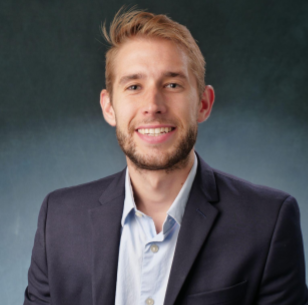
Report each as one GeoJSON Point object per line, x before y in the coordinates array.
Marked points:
{"type": "Point", "coordinates": [53, 134]}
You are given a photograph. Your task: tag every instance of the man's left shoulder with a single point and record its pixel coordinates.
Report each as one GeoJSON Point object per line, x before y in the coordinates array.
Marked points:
{"type": "Point", "coordinates": [244, 187]}
{"type": "Point", "coordinates": [247, 195]}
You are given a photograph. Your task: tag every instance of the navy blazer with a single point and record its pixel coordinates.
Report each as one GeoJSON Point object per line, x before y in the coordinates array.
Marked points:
{"type": "Point", "coordinates": [239, 244]}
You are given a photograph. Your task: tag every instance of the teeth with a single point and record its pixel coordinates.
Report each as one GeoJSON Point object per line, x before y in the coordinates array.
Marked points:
{"type": "Point", "coordinates": [155, 131]}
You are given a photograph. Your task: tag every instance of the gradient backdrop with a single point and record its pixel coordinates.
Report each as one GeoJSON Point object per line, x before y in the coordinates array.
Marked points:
{"type": "Point", "coordinates": [53, 134]}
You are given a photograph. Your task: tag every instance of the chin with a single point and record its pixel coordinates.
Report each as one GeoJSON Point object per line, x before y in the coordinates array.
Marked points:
{"type": "Point", "coordinates": [159, 157]}
{"type": "Point", "coordinates": [159, 160]}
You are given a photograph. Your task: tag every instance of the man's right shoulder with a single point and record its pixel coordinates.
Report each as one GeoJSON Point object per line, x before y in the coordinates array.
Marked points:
{"type": "Point", "coordinates": [82, 195]}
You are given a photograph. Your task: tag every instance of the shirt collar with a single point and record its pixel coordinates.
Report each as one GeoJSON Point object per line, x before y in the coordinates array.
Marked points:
{"type": "Point", "coordinates": [129, 202]}
{"type": "Point", "coordinates": [176, 210]}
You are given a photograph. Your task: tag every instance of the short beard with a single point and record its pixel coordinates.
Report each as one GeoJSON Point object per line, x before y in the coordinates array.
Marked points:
{"type": "Point", "coordinates": [177, 160]}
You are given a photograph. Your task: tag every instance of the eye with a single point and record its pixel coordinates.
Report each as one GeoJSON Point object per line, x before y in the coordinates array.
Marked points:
{"type": "Point", "coordinates": [173, 85]}
{"type": "Point", "coordinates": [133, 87]}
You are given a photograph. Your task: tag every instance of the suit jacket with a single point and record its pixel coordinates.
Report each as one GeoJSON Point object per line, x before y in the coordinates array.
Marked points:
{"type": "Point", "coordinates": [239, 243]}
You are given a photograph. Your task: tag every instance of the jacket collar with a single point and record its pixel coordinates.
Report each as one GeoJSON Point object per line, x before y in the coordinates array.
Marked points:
{"type": "Point", "coordinates": [106, 233]}
{"type": "Point", "coordinates": [198, 220]}
{"type": "Point", "coordinates": [205, 180]}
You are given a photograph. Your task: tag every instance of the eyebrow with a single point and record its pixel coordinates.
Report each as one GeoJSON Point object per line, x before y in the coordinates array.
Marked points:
{"type": "Point", "coordinates": [126, 78]}
{"type": "Point", "coordinates": [175, 74]}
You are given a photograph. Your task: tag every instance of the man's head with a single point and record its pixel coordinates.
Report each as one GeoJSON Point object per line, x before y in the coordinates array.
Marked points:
{"type": "Point", "coordinates": [156, 93]}
{"type": "Point", "coordinates": [136, 23]}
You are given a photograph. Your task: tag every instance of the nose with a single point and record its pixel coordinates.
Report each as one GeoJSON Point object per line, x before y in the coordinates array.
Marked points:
{"type": "Point", "coordinates": [154, 102]}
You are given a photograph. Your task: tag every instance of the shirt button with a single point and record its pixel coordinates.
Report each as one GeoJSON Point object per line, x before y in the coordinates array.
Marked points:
{"type": "Point", "coordinates": [154, 248]}
{"type": "Point", "coordinates": [138, 214]}
{"type": "Point", "coordinates": [149, 301]}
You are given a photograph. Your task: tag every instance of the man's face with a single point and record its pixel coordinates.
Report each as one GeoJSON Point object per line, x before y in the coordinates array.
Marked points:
{"type": "Point", "coordinates": [155, 103]}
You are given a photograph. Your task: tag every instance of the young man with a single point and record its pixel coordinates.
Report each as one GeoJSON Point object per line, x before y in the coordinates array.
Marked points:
{"type": "Point", "coordinates": [168, 229]}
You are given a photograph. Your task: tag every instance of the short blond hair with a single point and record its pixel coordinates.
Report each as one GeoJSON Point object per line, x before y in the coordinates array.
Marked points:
{"type": "Point", "coordinates": [132, 23]}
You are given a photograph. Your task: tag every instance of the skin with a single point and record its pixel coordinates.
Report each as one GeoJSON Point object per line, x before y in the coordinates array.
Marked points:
{"type": "Point", "coordinates": [153, 97]}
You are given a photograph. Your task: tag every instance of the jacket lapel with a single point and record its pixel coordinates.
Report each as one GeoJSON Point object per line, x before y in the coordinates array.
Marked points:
{"type": "Point", "coordinates": [198, 219]}
{"type": "Point", "coordinates": [106, 234]}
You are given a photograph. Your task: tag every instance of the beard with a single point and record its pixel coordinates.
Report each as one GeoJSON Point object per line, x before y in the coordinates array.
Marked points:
{"type": "Point", "coordinates": [168, 161]}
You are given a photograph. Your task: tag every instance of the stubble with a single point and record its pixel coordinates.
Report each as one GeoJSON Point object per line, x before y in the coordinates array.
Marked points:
{"type": "Point", "coordinates": [168, 161]}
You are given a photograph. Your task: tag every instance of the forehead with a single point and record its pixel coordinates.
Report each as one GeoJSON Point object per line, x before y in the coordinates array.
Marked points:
{"type": "Point", "coordinates": [151, 57]}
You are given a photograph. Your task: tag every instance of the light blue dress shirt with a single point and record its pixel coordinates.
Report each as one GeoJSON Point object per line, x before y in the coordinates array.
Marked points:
{"type": "Point", "coordinates": [145, 257]}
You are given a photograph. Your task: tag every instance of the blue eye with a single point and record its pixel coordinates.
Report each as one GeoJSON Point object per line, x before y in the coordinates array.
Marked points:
{"type": "Point", "coordinates": [172, 85]}
{"type": "Point", "coordinates": [133, 87]}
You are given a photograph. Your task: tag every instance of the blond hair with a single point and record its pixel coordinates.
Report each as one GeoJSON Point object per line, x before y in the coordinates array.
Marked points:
{"type": "Point", "coordinates": [132, 23]}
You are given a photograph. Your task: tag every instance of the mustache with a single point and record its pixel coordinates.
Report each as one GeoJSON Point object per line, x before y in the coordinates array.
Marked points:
{"type": "Point", "coordinates": [133, 126]}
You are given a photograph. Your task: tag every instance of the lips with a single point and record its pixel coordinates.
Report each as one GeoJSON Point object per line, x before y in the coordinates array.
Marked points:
{"type": "Point", "coordinates": [155, 134]}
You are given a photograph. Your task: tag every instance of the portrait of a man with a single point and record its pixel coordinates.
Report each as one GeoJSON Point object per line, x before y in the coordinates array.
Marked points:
{"type": "Point", "coordinates": [168, 229]}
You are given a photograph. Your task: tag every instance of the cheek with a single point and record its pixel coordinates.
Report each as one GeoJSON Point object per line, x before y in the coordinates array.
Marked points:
{"type": "Point", "coordinates": [124, 116]}
{"type": "Point", "coordinates": [188, 110]}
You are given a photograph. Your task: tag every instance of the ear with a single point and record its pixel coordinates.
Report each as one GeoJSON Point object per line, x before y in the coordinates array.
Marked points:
{"type": "Point", "coordinates": [107, 108]}
{"type": "Point", "coordinates": [206, 104]}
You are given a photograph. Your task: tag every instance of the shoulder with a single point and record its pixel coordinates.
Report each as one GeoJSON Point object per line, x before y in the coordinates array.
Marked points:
{"type": "Point", "coordinates": [242, 187]}
{"type": "Point", "coordinates": [246, 198]}
{"type": "Point", "coordinates": [227, 188]}
{"type": "Point", "coordinates": [86, 194]}
{"type": "Point", "coordinates": [256, 209]}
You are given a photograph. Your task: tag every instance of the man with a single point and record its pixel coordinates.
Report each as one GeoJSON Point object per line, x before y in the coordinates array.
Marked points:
{"type": "Point", "coordinates": [168, 229]}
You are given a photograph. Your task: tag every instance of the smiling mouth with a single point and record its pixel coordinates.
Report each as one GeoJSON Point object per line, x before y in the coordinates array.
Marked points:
{"type": "Point", "coordinates": [154, 132]}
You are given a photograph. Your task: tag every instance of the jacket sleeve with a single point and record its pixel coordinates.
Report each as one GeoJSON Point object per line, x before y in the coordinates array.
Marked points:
{"type": "Point", "coordinates": [283, 281]}
{"type": "Point", "coordinates": [37, 292]}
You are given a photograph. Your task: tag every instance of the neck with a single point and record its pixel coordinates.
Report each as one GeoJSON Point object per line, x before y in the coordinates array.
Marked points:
{"type": "Point", "coordinates": [154, 191]}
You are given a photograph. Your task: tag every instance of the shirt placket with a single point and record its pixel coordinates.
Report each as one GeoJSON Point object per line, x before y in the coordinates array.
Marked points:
{"type": "Point", "coordinates": [150, 262]}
